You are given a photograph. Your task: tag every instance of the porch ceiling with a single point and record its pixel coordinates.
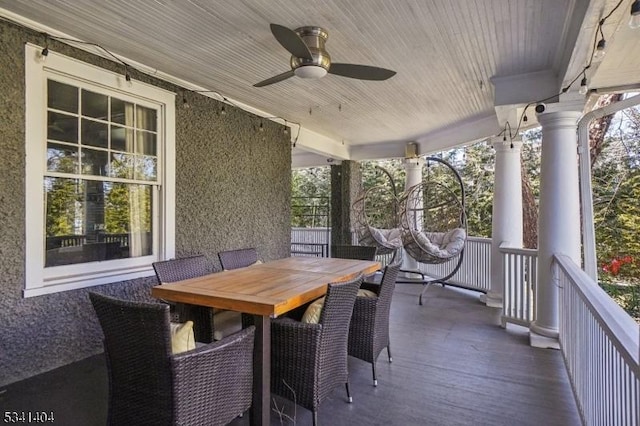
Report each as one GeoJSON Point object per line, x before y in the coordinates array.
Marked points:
{"type": "Point", "coordinates": [463, 67]}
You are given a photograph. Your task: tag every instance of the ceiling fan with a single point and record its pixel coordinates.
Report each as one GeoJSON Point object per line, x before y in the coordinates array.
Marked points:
{"type": "Point", "coordinates": [309, 59]}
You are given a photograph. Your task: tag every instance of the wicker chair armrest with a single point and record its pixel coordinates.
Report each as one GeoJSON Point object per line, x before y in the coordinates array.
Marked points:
{"type": "Point", "coordinates": [289, 338]}
{"type": "Point", "coordinates": [240, 338]}
{"type": "Point", "coordinates": [291, 326]}
{"type": "Point", "coordinates": [215, 380]}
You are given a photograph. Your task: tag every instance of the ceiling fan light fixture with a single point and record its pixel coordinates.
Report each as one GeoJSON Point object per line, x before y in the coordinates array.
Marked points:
{"type": "Point", "coordinates": [634, 22]}
{"type": "Point", "coordinates": [310, 71]}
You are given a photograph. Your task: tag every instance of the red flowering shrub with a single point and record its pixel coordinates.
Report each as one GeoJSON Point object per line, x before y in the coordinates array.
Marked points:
{"type": "Point", "coordinates": [614, 266]}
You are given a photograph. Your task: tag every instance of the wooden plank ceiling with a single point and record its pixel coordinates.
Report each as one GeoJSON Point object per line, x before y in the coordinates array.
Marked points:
{"type": "Point", "coordinates": [444, 51]}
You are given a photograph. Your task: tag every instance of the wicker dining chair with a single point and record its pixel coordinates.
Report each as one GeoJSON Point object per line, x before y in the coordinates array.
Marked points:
{"type": "Point", "coordinates": [148, 385]}
{"type": "Point", "coordinates": [369, 328]}
{"type": "Point", "coordinates": [308, 361]}
{"type": "Point", "coordinates": [172, 270]}
{"type": "Point", "coordinates": [234, 259]}
{"type": "Point", "coordinates": [353, 252]}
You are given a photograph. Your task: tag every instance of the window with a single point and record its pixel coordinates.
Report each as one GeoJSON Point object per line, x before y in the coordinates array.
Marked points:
{"type": "Point", "coordinates": [99, 175]}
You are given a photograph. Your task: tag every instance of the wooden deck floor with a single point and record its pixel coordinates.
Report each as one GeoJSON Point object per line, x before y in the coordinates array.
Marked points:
{"type": "Point", "coordinates": [452, 365]}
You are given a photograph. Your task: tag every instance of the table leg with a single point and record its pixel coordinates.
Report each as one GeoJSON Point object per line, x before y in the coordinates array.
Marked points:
{"type": "Point", "coordinates": [260, 408]}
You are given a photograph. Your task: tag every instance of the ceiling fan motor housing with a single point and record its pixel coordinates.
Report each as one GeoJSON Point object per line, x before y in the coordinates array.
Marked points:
{"type": "Point", "coordinates": [314, 38]}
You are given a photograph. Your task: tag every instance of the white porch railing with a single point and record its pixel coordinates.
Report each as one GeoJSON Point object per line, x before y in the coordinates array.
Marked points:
{"type": "Point", "coordinates": [600, 345]}
{"type": "Point", "coordinates": [520, 280]}
{"type": "Point", "coordinates": [475, 270]}
{"type": "Point", "coordinates": [310, 241]}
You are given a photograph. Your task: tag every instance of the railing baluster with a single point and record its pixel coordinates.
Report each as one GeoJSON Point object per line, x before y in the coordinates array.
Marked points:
{"type": "Point", "coordinates": [600, 345]}
{"type": "Point", "coordinates": [520, 279]}
{"type": "Point", "coordinates": [474, 272]}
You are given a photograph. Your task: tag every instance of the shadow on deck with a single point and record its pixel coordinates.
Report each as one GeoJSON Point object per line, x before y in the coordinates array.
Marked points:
{"type": "Point", "coordinates": [452, 365]}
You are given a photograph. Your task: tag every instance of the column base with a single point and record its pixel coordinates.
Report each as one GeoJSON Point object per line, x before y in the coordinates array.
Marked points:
{"type": "Point", "coordinates": [411, 276]}
{"type": "Point", "coordinates": [543, 337]}
{"type": "Point", "coordinates": [492, 300]}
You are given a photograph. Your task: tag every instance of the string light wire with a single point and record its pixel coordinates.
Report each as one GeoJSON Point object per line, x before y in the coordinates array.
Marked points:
{"type": "Point", "coordinates": [565, 89]}
{"type": "Point", "coordinates": [128, 67]}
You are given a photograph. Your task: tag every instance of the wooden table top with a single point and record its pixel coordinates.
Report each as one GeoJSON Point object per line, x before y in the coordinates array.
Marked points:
{"type": "Point", "coordinates": [271, 288]}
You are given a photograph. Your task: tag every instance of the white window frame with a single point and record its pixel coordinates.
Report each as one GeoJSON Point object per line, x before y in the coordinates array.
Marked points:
{"type": "Point", "coordinates": [38, 279]}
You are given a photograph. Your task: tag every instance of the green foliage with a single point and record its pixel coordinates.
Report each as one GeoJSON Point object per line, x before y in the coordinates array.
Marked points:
{"type": "Point", "coordinates": [127, 208]}
{"type": "Point", "coordinates": [616, 191]}
{"type": "Point", "coordinates": [384, 182]}
{"type": "Point", "coordinates": [475, 163]}
{"type": "Point", "coordinates": [63, 203]}
{"type": "Point", "coordinates": [310, 197]}
{"type": "Point", "coordinates": [626, 295]}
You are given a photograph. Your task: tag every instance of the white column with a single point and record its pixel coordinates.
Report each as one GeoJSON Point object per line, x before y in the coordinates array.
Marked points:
{"type": "Point", "coordinates": [559, 214]}
{"type": "Point", "coordinates": [506, 221]}
{"type": "Point", "coordinates": [413, 168]}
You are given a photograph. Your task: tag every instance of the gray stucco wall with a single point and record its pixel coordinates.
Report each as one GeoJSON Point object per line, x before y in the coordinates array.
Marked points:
{"type": "Point", "coordinates": [232, 191]}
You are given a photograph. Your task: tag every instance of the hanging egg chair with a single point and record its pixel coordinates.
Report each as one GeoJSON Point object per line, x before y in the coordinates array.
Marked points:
{"type": "Point", "coordinates": [433, 219]}
{"type": "Point", "coordinates": [376, 212]}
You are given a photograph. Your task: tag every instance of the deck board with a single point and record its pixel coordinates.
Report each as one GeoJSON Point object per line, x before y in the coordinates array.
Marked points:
{"type": "Point", "coordinates": [452, 365]}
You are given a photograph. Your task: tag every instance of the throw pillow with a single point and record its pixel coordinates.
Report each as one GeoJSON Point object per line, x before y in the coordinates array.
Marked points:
{"type": "Point", "coordinates": [312, 314]}
{"type": "Point", "coordinates": [366, 293]}
{"type": "Point", "coordinates": [182, 337]}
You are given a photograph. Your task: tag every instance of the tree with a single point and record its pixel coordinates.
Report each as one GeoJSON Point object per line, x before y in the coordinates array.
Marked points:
{"type": "Point", "coordinates": [310, 196]}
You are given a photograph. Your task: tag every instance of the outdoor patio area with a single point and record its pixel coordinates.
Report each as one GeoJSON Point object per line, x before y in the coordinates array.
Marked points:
{"type": "Point", "coordinates": [452, 365]}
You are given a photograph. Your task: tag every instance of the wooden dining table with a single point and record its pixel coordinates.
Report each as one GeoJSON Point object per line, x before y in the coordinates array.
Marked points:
{"type": "Point", "coordinates": [265, 291]}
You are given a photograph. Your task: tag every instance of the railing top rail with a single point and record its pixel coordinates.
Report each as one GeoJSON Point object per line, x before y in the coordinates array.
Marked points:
{"type": "Point", "coordinates": [504, 248]}
{"type": "Point", "coordinates": [479, 239]}
{"type": "Point", "coordinates": [619, 326]}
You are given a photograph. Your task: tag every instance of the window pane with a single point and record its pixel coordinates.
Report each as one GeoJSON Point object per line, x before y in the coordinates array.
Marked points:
{"type": "Point", "coordinates": [122, 165]}
{"type": "Point", "coordinates": [94, 133]}
{"type": "Point", "coordinates": [146, 143]}
{"type": "Point", "coordinates": [121, 139]}
{"type": "Point", "coordinates": [146, 167]}
{"type": "Point", "coordinates": [94, 162]}
{"type": "Point", "coordinates": [62, 158]}
{"type": "Point", "coordinates": [121, 112]}
{"type": "Point", "coordinates": [95, 105]}
{"type": "Point", "coordinates": [90, 221]}
{"type": "Point", "coordinates": [62, 96]}
{"type": "Point", "coordinates": [62, 127]}
{"type": "Point", "coordinates": [146, 118]}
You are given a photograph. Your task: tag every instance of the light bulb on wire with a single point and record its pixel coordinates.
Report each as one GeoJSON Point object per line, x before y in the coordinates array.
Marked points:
{"type": "Point", "coordinates": [583, 86]}
{"type": "Point", "coordinates": [600, 49]}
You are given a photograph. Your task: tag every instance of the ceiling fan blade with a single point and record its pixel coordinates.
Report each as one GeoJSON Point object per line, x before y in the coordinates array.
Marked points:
{"type": "Point", "coordinates": [275, 79]}
{"type": "Point", "coordinates": [362, 72]}
{"type": "Point", "coordinates": [291, 41]}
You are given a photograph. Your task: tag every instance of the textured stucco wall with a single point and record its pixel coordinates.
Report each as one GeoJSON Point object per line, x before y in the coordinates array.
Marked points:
{"type": "Point", "coordinates": [232, 191]}
{"type": "Point", "coordinates": [239, 182]}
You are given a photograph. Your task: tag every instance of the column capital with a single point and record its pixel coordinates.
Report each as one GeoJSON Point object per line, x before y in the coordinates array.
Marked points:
{"type": "Point", "coordinates": [559, 119]}
{"type": "Point", "coordinates": [567, 111]}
